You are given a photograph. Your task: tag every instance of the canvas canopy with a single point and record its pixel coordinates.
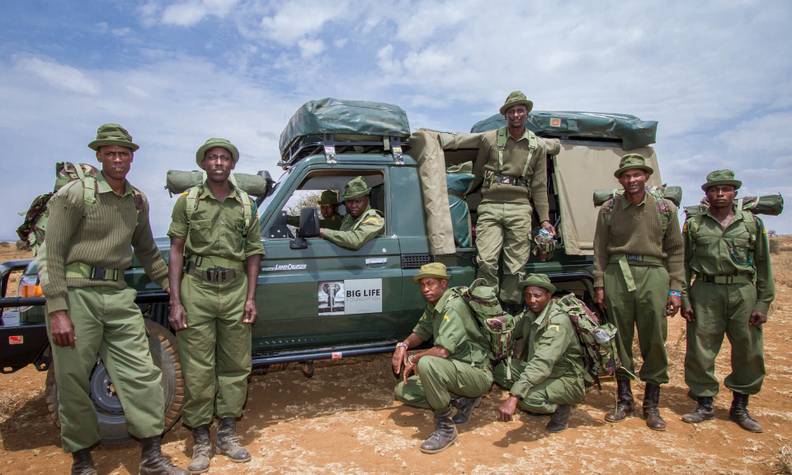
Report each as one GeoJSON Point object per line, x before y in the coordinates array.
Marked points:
{"type": "Point", "coordinates": [340, 116]}
{"type": "Point", "coordinates": [579, 170]}
{"type": "Point", "coordinates": [632, 131]}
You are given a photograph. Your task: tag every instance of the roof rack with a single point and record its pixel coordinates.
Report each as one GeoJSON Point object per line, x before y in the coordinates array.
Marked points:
{"type": "Point", "coordinates": [331, 145]}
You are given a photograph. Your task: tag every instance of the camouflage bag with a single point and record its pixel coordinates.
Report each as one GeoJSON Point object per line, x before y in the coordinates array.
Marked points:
{"type": "Point", "coordinates": [485, 306]}
{"type": "Point", "coordinates": [31, 232]}
{"type": "Point", "coordinates": [597, 339]}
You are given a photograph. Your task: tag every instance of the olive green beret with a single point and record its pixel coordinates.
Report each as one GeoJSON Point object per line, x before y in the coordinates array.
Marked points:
{"type": "Point", "coordinates": [721, 177]}
{"type": "Point", "coordinates": [433, 269]}
{"type": "Point", "coordinates": [632, 161]}
{"type": "Point", "coordinates": [514, 99]}
{"type": "Point", "coordinates": [216, 142]}
{"type": "Point", "coordinates": [356, 188]}
{"type": "Point", "coordinates": [538, 280]}
{"type": "Point", "coordinates": [112, 134]}
{"type": "Point", "coordinates": [329, 197]}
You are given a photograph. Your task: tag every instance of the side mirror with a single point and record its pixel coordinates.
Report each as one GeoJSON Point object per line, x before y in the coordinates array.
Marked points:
{"type": "Point", "coordinates": [309, 227]}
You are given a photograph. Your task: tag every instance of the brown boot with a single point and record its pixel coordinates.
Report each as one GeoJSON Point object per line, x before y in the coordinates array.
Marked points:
{"type": "Point", "coordinates": [650, 411]}
{"type": "Point", "coordinates": [624, 405]}
{"type": "Point", "coordinates": [444, 435]}
{"type": "Point", "coordinates": [151, 460]}
{"type": "Point", "coordinates": [228, 442]}
{"type": "Point", "coordinates": [82, 463]}
{"type": "Point", "coordinates": [739, 414]}
{"type": "Point", "coordinates": [202, 450]}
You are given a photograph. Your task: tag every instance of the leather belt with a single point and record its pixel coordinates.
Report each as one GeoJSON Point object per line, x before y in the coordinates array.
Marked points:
{"type": "Point", "coordinates": [726, 279]}
{"type": "Point", "coordinates": [87, 271]}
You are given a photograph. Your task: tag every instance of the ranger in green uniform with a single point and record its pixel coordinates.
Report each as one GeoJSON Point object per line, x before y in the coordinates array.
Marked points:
{"type": "Point", "coordinates": [551, 372]}
{"type": "Point", "coordinates": [94, 225]}
{"type": "Point", "coordinates": [328, 209]}
{"type": "Point", "coordinates": [731, 287]}
{"type": "Point", "coordinates": [216, 242]}
{"type": "Point", "coordinates": [361, 224]}
{"type": "Point", "coordinates": [455, 371]}
{"type": "Point", "coordinates": [511, 169]}
{"type": "Point", "coordinates": [638, 277]}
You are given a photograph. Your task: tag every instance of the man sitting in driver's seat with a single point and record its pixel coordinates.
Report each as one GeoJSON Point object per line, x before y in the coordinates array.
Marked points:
{"type": "Point", "coordinates": [328, 209]}
{"type": "Point", "coordinates": [361, 223]}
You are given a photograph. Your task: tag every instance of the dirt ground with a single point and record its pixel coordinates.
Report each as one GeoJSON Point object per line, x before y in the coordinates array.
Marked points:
{"type": "Point", "coordinates": [344, 420]}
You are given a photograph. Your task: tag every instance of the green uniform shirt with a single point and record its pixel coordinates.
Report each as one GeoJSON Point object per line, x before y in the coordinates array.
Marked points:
{"type": "Point", "coordinates": [712, 250]}
{"type": "Point", "coordinates": [353, 233]}
{"type": "Point", "coordinates": [102, 234]}
{"type": "Point", "coordinates": [515, 154]}
{"type": "Point", "coordinates": [216, 228]}
{"type": "Point", "coordinates": [637, 229]}
{"type": "Point", "coordinates": [450, 323]}
{"type": "Point", "coordinates": [551, 350]}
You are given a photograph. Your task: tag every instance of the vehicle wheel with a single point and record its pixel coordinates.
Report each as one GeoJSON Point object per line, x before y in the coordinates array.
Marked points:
{"type": "Point", "coordinates": [109, 413]}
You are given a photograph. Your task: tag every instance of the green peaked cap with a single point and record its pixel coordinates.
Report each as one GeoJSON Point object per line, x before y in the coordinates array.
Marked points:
{"type": "Point", "coordinates": [538, 280]}
{"type": "Point", "coordinates": [433, 269]}
{"type": "Point", "coordinates": [356, 188]}
{"type": "Point", "coordinates": [721, 177]}
{"type": "Point", "coordinates": [632, 161]}
{"type": "Point", "coordinates": [329, 197]}
{"type": "Point", "coordinates": [112, 134]}
{"type": "Point", "coordinates": [216, 142]}
{"type": "Point", "coordinates": [514, 99]}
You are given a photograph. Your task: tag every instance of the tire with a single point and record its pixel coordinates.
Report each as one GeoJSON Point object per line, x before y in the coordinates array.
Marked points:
{"type": "Point", "coordinates": [109, 413]}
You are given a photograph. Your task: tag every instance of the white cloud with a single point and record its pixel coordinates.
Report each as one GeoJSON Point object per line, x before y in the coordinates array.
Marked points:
{"type": "Point", "coordinates": [193, 11]}
{"type": "Point", "coordinates": [310, 48]}
{"type": "Point", "coordinates": [59, 76]}
{"type": "Point", "coordinates": [295, 20]}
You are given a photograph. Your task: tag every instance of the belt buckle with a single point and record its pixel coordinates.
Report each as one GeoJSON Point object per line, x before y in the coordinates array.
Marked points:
{"type": "Point", "coordinates": [98, 273]}
{"type": "Point", "coordinates": [633, 258]}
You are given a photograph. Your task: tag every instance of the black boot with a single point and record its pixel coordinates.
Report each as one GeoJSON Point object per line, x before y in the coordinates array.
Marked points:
{"type": "Point", "coordinates": [624, 405]}
{"type": "Point", "coordinates": [202, 450]}
{"type": "Point", "coordinates": [739, 414]}
{"type": "Point", "coordinates": [650, 410]}
{"type": "Point", "coordinates": [82, 463]}
{"type": "Point", "coordinates": [465, 406]}
{"type": "Point", "coordinates": [151, 460]}
{"type": "Point", "coordinates": [444, 435]}
{"type": "Point", "coordinates": [703, 411]}
{"type": "Point", "coordinates": [228, 441]}
{"type": "Point", "coordinates": [560, 418]}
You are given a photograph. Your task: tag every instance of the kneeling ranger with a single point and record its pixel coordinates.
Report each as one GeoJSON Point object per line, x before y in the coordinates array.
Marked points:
{"type": "Point", "coordinates": [94, 225]}
{"type": "Point", "coordinates": [551, 371]}
{"type": "Point", "coordinates": [731, 287]}
{"type": "Point", "coordinates": [456, 370]}
{"type": "Point", "coordinates": [361, 224]}
{"type": "Point", "coordinates": [216, 239]}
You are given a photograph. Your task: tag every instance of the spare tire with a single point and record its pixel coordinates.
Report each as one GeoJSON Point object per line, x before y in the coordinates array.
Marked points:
{"type": "Point", "coordinates": [109, 413]}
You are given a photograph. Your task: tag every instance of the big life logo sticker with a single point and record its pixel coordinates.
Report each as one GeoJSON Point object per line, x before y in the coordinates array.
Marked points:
{"type": "Point", "coordinates": [348, 297]}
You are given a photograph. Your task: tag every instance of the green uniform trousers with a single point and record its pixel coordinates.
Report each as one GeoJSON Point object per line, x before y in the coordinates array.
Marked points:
{"type": "Point", "coordinates": [439, 378]}
{"type": "Point", "coordinates": [503, 227]}
{"type": "Point", "coordinates": [215, 349]}
{"type": "Point", "coordinates": [106, 322]}
{"type": "Point", "coordinates": [643, 308]}
{"type": "Point", "coordinates": [545, 397]}
{"type": "Point", "coordinates": [723, 309]}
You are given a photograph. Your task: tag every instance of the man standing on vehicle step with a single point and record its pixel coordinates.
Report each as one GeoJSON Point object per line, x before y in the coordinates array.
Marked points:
{"type": "Point", "coordinates": [361, 224]}
{"type": "Point", "coordinates": [511, 168]}
{"type": "Point", "coordinates": [455, 371]}
{"type": "Point", "coordinates": [215, 258]}
{"type": "Point", "coordinates": [549, 376]}
{"type": "Point", "coordinates": [638, 277]}
{"type": "Point", "coordinates": [94, 224]}
{"type": "Point", "coordinates": [730, 284]}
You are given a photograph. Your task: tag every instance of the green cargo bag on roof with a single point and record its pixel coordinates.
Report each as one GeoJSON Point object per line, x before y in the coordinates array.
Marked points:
{"type": "Point", "coordinates": [351, 119]}
{"type": "Point", "coordinates": [177, 181]}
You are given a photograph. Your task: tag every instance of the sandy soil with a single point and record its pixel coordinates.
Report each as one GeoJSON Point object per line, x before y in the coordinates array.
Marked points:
{"type": "Point", "coordinates": [344, 419]}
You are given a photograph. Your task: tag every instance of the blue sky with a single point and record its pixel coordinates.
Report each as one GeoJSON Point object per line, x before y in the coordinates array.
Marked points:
{"type": "Point", "coordinates": [716, 75]}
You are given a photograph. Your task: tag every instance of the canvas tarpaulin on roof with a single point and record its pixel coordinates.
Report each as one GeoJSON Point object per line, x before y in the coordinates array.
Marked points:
{"type": "Point", "coordinates": [579, 170]}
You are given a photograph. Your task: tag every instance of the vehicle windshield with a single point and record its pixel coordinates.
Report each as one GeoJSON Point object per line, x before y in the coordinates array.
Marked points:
{"type": "Point", "coordinates": [265, 204]}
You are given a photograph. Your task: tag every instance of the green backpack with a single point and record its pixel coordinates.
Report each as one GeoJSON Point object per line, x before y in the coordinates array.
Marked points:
{"type": "Point", "coordinates": [31, 231]}
{"type": "Point", "coordinates": [484, 304]}
{"type": "Point", "coordinates": [597, 339]}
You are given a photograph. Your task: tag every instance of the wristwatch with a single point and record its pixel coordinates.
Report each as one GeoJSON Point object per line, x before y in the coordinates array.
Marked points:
{"type": "Point", "coordinates": [402, 344]}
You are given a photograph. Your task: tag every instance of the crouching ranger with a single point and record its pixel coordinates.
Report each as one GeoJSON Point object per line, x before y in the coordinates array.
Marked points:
{"type": "Point", "coordinates": [361, 224]}
{"type": "Point", "coordinates": [549, 370]}
{"type": "Point", "coordinates": [730, 284]}
{"type": "Point", "coordinates": [456, 370]}
{"type": "Point", "coordinates": [94, 225]}
{"type": "Point", "coordinates": [216, 241]}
